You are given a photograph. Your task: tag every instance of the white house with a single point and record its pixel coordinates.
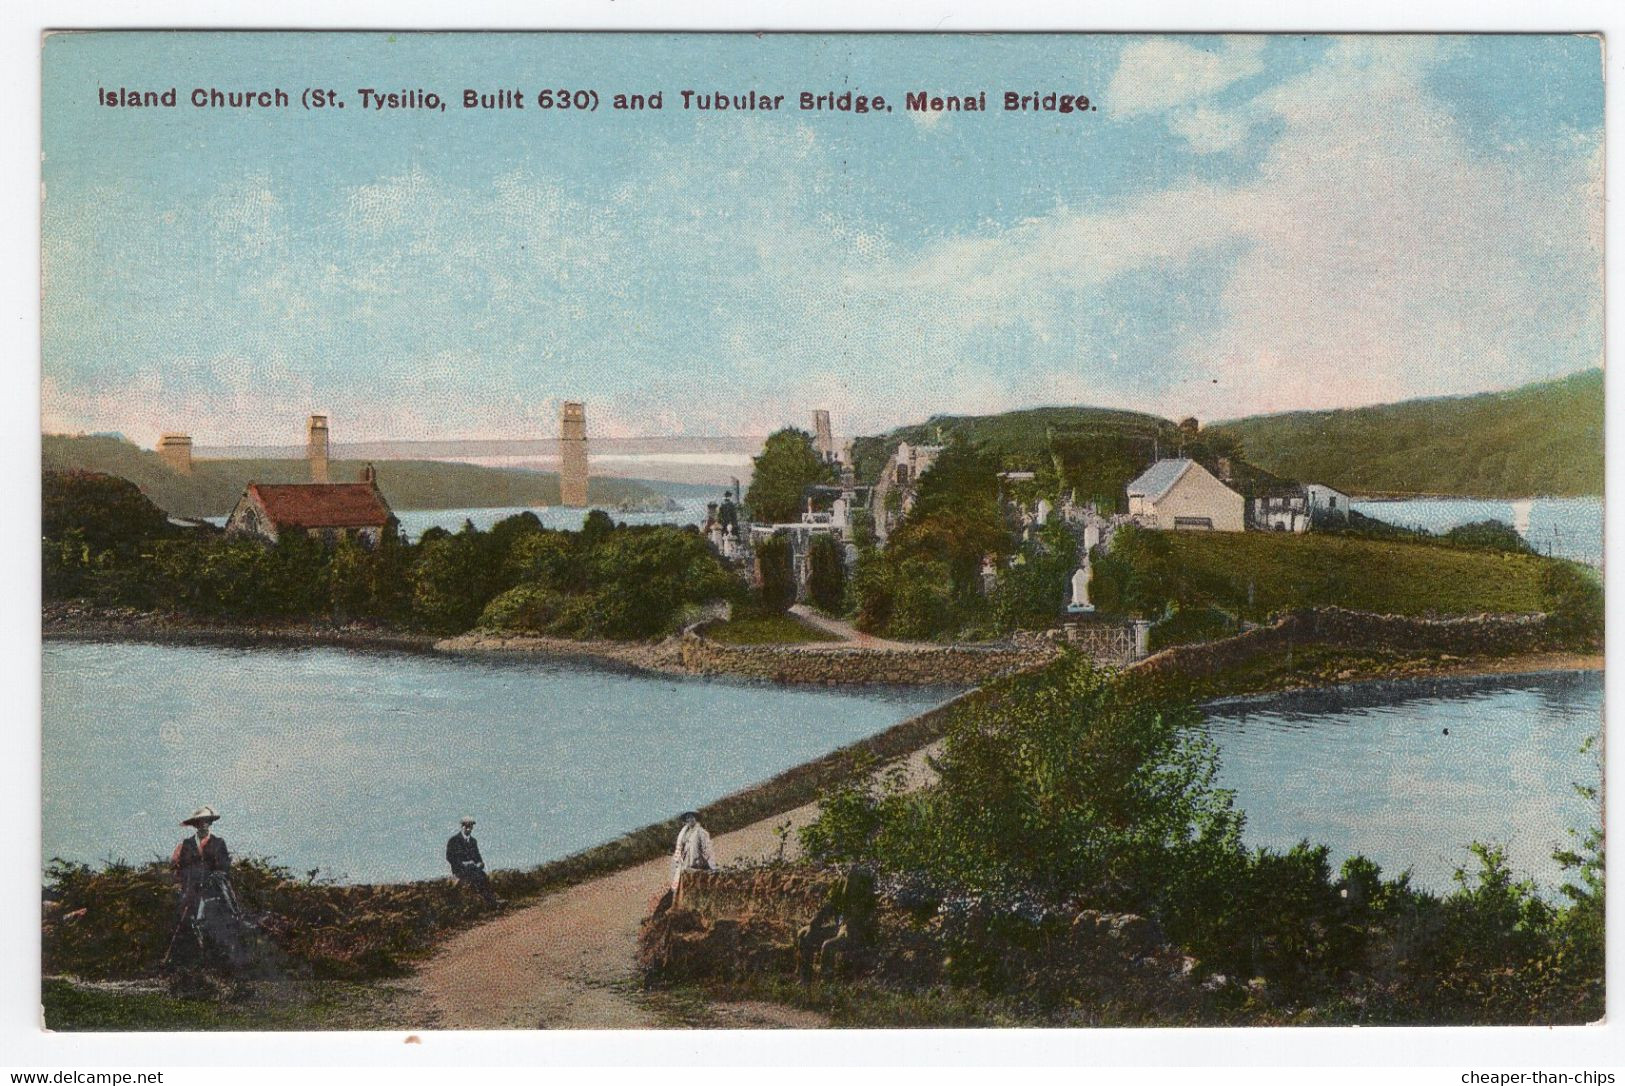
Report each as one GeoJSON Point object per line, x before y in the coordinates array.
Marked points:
{"type": "Point", "coordinates": [1324, 502]}
{"type": "Point", "coordinates": [1182, 495]}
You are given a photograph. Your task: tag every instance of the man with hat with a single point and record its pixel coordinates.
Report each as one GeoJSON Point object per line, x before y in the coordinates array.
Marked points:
{"type": "Point", "coordinates": [198, 857]}
{"type": "Point", "coordinates": [463, 854]}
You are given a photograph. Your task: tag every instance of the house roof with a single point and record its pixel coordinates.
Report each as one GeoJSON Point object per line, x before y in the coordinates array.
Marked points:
{"type": "Point", "coordinates": [1159, 478]}
{"type": "Point", "coordinates": [322, 505]}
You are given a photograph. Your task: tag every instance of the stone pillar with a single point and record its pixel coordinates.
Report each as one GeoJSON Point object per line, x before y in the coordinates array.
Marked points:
{"type": "Point", "coordinates": [1142, 638]}
{"type": "Point", "coordinates": [316, 446]}
{"type": "Point", "coordinates": [573, 455]}
{"type": "Point", "coordinates": [175, 450]}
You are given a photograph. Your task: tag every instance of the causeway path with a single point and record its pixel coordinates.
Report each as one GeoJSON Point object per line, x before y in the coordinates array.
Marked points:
{"type": "Point", "coordinates": [567, 960]}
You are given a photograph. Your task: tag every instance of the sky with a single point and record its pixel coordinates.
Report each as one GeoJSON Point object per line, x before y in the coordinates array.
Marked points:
{"type": "Point", "coordinates": [1241, 225]}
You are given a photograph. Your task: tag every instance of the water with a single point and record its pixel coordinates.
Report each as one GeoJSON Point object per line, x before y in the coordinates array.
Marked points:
{"type": "Point", "coordinates": [1564, 527]}
{"type": "Point", "coordinates": [690, 510]}
{"type": "Point", "coordinates": [361, 763]}
{"type": "Point", "coordinates": [1369, 770]}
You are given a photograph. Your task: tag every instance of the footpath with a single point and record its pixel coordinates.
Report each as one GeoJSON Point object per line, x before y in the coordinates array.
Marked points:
{"type": "Point", "coordinates": [567, 961]}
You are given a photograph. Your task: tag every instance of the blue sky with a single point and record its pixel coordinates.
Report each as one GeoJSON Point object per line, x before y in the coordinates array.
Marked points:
{"type": "Point", "coordinates": [1246, 224]}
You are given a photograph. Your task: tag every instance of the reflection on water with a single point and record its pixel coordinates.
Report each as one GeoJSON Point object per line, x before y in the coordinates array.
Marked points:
{"type": "Point", "coordinates": [1410, 773]}
{"type": "Point", "coordinates": [361, 763]}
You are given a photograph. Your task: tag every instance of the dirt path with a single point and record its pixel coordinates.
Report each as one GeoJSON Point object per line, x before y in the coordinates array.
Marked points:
{"type": "Point", "coordinates": [566, 962]}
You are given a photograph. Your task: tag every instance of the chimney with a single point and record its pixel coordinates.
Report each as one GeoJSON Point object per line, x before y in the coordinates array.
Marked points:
{"type": "Point", "coordinates": [316, 448]}
{"type": "Point", "coordinates": [175, 450]}
{"type": "Point", "coordinates": [369, 475]}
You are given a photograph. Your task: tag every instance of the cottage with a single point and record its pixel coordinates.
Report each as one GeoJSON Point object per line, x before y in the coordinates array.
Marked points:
{"type": "Point", "coordinates": [326, 511]}
{"type": "Point", "coordinates": [1326, 503]}
{"type": "Point", "coordinates": [1180, 494]}
{"type": "Point", "coordinates": [1291, 507]}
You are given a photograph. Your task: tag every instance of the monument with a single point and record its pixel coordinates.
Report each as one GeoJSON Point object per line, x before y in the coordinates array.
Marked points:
{"type": "Point", "coordinates": [573, 455]}
{"type": "Point", "coordinates": [1080, 589]}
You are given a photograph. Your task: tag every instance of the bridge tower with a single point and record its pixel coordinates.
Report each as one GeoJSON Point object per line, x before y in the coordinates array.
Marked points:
{"type": "Point", "coordinates": [175, 450]}
{"type": "Point", "coordinates": [823, 437]}
{"type": "Point", "coordinates": [573, 455]}
{"type": "Point", "coordinates": [316, 448]}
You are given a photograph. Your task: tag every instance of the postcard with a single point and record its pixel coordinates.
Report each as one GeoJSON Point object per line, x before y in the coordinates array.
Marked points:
{"type": "Point", "coordinates": [794, 531]}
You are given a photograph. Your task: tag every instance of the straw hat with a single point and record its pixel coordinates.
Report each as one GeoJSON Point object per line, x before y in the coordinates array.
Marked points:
{"type": "Point", "coordinates": [202, 814]}
{"type": "Point", "coordinates": [468, 820]}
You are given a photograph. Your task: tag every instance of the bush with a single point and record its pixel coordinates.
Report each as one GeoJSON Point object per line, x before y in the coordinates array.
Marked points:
{"type": "Point", "coordinates": [1057, 787]}
{"type": "Point", "coordinates": [1573, 598]}
{"type": "Point", "coordinates": [826, 575]}
{"type": "Point", "coordinates": [526, 609]}
{"type": "Point", "coordinates": [1491, 535]}
{"type": "Point", "coordinates": [922, 602]}
{"type": "Point", "coordinates": [777, 590]}
{"type": "Point", "coordinates": [1187, 624]}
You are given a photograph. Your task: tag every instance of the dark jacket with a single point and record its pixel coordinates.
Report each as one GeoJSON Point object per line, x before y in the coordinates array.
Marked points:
{"type": "Point", "coordinates": [193, 866]}
{"type": "Point", "coordinates": [462, 851]}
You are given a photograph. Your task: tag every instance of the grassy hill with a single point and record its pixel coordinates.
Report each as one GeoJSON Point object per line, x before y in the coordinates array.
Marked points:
{"type": "Point", "coordinates": [1541, 439]}
{"type": "Point", "coordinates": [1257, 573]}
{"type": "Point", "coordinates": [214, 485]}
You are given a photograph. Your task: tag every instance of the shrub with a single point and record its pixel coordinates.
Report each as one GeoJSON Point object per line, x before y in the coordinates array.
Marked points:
{"type": "Point", "coordinates": [526, 608]}
{"type": "Point", "coordinates": [1573, 598]}
{"type": "Point", "coordinates": [777, 590]}
{"type": "Point", "coordinates": [1493, 535]}
{"type": "Point", "coordinates": [826, 575]}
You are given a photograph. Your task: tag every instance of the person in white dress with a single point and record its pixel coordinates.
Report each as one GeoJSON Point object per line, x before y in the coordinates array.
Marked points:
{"type": "Point", "coordinates": [693, 851]}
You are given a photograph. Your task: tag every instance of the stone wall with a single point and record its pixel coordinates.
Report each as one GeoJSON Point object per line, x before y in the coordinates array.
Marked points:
{"type": "Point", "coordinates": [949, 665]}
{"type": "Point", "coordinates": [1473, 635]}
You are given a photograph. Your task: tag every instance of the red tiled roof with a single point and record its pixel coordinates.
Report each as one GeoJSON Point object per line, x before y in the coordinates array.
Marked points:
{"type": "Point", "coordinates": [322, 505]}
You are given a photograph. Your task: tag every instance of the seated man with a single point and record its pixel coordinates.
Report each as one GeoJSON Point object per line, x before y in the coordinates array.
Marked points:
{"type": "Point", "coordinates": [463, 853]}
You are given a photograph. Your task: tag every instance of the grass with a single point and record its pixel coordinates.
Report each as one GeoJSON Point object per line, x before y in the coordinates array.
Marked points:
{"type": "Point", "coordinates": [1257, 573]}
{"type": "Point", "coordinates": [292, 1006]}
{"type": "Point", "coordinates": [778, 629]}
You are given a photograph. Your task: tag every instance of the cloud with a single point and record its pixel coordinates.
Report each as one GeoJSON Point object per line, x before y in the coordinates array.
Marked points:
{"type": "Point", "coordinates": [1161, 73]}
{"type": "Point", "coordinates": [1374, 256]}
{"type": "Point", "coordinates": [1208, 130]}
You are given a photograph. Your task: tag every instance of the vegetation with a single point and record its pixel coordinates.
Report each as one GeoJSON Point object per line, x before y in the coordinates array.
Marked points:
{"type": "Point", "coordinates": [765, 628]}
{"type": "Point", "coordinates": [1078, 792]}
{"type": "Point", "coordinates": [927, 581]}
{"type": "Point", "coordinates": [826, 574]}
{"type": "Point", "coordinates": [608, 580]}
{"type": "Point", "coordinates": [786, 466]}
{"type": "Point", "coordinates": [1091, 450]}
{"type": "Point", "coordinates": [1255, 574]}
{"type": "Point", "coordinates": [1541, 439]}
{"type": "Point", "coordinates": [215, 485]}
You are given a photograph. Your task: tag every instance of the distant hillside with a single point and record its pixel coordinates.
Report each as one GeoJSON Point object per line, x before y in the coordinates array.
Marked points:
{"type": "Point", "coordinates": [1541, 439]}
{"type": "Point", "coordinates": [1095, 451]}
{"type": "Point", "coordinates": [214, 485]}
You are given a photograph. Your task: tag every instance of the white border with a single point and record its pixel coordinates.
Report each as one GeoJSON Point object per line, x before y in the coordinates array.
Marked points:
{"type": "Point", "coordinates": [24, 1046]}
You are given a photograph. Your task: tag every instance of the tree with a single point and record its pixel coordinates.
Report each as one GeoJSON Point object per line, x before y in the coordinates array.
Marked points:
{"type": "Point", "coordinates": [1063, 785]}
{"type": "Point", "coordinates": [777, 573]}
{"type": "Point", "coordinates": [826, 575]}
{"type": "Point", "coordinates": [788, 464]}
